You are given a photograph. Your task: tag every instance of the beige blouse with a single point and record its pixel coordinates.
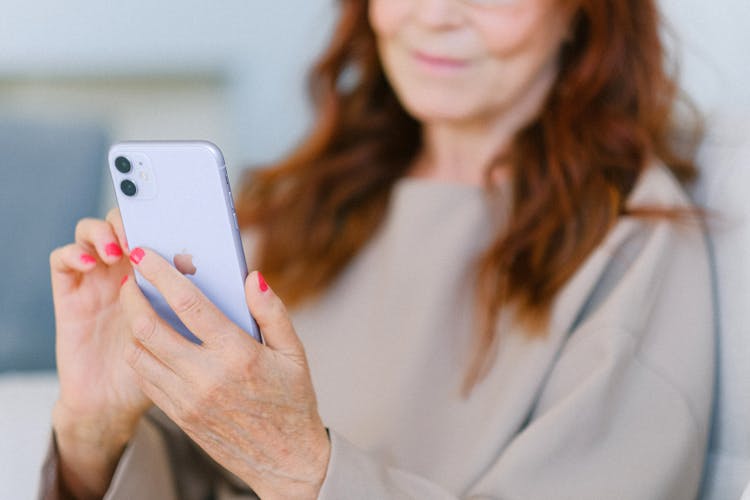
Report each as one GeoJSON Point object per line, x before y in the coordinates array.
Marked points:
{"type": "Point", "coordinates": [613, 403]}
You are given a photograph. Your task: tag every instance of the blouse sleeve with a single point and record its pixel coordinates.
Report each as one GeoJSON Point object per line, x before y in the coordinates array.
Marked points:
{"type": "Point", "coordinates": [143, 471]}
{"type": "Point", "coordinates": [160, 462]}
{"type": "Point", "coordinates": [622, 431]}
{"type": "Point", "coordinates": [625, 410]}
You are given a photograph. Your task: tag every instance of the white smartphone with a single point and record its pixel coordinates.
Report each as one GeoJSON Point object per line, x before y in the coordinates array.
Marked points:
{"type": "Point", "coordinates": [175, 198]}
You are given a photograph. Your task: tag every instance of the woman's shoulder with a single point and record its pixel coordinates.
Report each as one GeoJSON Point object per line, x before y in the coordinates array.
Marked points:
{"type": "Point", "coordinates": [658, 187]}
{"type": "Point", "coordinates": [668, 220]}
{"type": "Point", "coordinates": [644, 254]}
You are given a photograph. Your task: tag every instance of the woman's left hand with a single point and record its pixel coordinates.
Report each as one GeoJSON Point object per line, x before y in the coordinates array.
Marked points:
{"type": "Point", "coordinates": [251, 407]}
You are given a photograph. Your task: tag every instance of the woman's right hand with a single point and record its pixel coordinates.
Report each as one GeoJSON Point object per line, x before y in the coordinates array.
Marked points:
{"type": "Point", "coordinates": [100, 402]}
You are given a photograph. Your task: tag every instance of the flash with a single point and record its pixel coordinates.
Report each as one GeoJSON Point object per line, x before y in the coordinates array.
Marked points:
{"type": "Point", "coordinates": [143, 176]}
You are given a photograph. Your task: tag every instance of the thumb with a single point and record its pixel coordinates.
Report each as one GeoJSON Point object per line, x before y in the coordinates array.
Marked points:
{"type": "Point", "coordinates": [272, 317]}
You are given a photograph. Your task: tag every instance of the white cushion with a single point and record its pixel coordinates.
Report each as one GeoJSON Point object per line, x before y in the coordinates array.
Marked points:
{"type": "Point", "coordinates": [26, 402]}
{"type": "Point", "coordinates": [725, 162]}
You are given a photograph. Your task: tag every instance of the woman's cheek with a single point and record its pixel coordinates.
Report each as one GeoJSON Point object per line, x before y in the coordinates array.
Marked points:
{"type": "Point", "coordinates": [387, 16]}
{"type": "Point", "coordinates": [525, 26]}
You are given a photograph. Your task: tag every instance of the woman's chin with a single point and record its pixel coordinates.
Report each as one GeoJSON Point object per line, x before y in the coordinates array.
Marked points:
{"type": "Point", "coordinates": [441, 111]}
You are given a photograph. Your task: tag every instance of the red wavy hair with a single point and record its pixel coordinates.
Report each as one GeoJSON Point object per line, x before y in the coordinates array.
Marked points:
{"type": "Point", "coordinates": [572, 167]}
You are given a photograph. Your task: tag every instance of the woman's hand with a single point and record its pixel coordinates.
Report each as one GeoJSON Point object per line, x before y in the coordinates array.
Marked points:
{"type": "Point", "coordinates": [100, 402]}
{"type": "Point", "coordinates": [251, 407]}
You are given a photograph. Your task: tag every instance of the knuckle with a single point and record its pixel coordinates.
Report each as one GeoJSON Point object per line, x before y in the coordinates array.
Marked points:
{"type": "Point", "coordinates": [147, 387]}
{"type": "Point", "coordinates": [112, 215]}
{"type": "Point", "coordinates": [241, 367]}
{"type": "Point", "coordinates": [248, 360]}
{"type": "Point", "coordinates": [193, 407]}
{"type": "Point", "coordinates": [224, 340]}
{"type": "Point", "coordinates": [83, 225]}
{"type": "Point", "coordinates": [210, 390]}
{"type": "Point", "coordinates": [221, 344]}
{"type": "Point", "coordinates": [187, 302]}
{"type": "Point", "coordinates": [55, 256]}
{"type": "Point", "coordinates": [144, 328]}
{"type": "Point", "coordinates": [236, 364]}
{"type": "Point", "coordinates": [190, 410]}
{"type": "Point", "coordinates": [211, 384]}
{"type": "Point", "coordinates": [133, 355]}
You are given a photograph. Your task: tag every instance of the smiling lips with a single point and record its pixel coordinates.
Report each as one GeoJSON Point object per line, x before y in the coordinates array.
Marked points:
{"type": "Point", "coordinates": [439, 63]}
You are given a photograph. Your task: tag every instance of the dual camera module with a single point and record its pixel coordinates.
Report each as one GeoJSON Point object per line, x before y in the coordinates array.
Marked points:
{"type": "Point", "coordinates": [127, 186]}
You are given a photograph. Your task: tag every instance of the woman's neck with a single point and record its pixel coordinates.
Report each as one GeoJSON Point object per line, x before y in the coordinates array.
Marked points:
{"type": "Point", "coordinates": [462, 151]}
{"type": "Point", "coordinates": [459, 154]}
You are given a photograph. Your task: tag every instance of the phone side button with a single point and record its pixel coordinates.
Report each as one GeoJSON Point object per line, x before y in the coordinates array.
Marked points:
{"type": "Point", "coordinates": [234, 216]}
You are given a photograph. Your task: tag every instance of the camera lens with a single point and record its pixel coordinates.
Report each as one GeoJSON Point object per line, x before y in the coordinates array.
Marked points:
{"type": "Point", "coordinates": [129, 188]}
{"type": "Point", "coordinates": [123, 164]}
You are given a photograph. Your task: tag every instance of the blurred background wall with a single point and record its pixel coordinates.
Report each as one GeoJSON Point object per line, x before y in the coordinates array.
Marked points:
{"type": "Point", "coordinates": [230, 70]}
{"type": "Point", "coordinates": [77, 75]}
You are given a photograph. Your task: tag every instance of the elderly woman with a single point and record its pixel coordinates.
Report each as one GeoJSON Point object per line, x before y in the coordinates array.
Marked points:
{"type": "Point", "coordinates": [486, 282]}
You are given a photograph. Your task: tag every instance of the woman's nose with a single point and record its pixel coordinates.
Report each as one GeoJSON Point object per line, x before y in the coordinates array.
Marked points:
{"type": "Point", "coordinates": [438, 14]}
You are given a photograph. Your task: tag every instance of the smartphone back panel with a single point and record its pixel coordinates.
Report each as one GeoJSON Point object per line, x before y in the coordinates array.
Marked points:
{"type": "Point", "coordinates": [175, 198]}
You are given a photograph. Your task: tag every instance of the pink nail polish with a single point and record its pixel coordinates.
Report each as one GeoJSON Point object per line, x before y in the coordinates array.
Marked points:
{"type": "Point", "coordinates": [262, 282]}
{"type": "Point", "coordinates": [136, 256]}
{"type": "Point", "coordinates": [87, 259]}
{"type": "Point", "coordinates": [113, 250]}
{"type": "Point", "coordinates": [124, 280]}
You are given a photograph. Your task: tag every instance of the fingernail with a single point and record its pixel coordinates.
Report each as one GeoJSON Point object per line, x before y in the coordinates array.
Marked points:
{"type": "Point", "coordinates": [113, 250]}
{"type": "Point", "coordinates": [87, 259]}
{"type": "Point", "coordinates": [262, 282]}
{"type": "Point", "coordinates": [124, 280]}
{"type": "Point", "coordinates": [136, 256]}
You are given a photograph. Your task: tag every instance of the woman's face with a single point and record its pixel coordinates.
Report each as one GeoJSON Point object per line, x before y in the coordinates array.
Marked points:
{"type": "Point", "coordinates": [461, 60]}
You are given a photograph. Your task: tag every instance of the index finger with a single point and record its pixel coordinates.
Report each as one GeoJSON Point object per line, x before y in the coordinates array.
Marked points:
{"type": "Point", "coordinates": [193, 308]}
{"type": "Point", "coordinates": [150, 331]}
{"type": "Point", "coordinates": [115, 220]}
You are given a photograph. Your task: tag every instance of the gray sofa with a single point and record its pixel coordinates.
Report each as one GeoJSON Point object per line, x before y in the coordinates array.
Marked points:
{"type": "Point", "coordinates": [50, 176]}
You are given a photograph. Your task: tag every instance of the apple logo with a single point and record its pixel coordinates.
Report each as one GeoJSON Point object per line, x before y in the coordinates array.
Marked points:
{"type": "Point", "coordinates": [184, 263]}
